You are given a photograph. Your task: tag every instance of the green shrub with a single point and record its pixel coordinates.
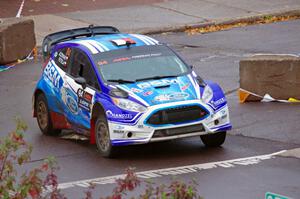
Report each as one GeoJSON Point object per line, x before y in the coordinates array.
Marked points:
{"type": "Point", "coordinates": [41, 182]}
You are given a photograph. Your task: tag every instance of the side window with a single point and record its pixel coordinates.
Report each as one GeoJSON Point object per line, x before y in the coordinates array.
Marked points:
{"type": "Point", "coordinates": [81, 67]}
{"type": "Point", "coordinates": [61, 58]}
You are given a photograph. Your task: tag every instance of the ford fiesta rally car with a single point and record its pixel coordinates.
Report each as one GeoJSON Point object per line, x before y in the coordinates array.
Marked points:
{"type": "Point", "coordinates": [122, 89]}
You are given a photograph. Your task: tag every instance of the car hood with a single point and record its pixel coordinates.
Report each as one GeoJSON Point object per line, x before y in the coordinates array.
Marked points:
{"type": "Point", "coordinates": [167, 90]}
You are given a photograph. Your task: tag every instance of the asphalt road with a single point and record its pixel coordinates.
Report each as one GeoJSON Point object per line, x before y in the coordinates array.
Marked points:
{"type": "Point", "coordinates": [258, 128]}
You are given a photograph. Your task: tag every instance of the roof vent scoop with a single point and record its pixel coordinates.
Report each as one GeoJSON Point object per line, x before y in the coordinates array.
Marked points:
{"type": "Point", "coordinates": [123, 41]}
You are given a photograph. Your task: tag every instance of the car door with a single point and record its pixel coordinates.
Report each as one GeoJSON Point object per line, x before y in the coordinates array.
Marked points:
{"type": "Point", "coordinates": [55, 71]}
{"type": "Point", "coordinates": [78, 100]}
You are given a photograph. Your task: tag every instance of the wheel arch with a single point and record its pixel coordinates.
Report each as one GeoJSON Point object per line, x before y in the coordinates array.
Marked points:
{"type": "Point", "coordinates": [96, 111]}
{"type": "Point", "coordinates": [37, 92]}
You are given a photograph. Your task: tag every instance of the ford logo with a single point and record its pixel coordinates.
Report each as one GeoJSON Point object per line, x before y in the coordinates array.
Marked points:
{"type": "Point", "coordinates": [72, 104]}
{"type": "Point", "coordinates": [171, 97]}
{"type": "Point", "coordinates": [178, 96]}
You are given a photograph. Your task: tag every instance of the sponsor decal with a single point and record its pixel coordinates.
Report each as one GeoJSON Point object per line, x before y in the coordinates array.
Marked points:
{"type": "Point", "coordinates": [110, 114]}
{"type": "Point", "coordinates": [147, 93]}
{"type": "Point", "coordinates": [119, 127]}
{"type": "Point", "coordinates": [119, 131]}
{"type": "Point", "coordinates": [136, 90]}
{"type": "Point", "coordinates": [162, 82]}
{"type": "Point", "coordinates": [146, 55]}
{"type": "Point", "coordinates": [219, 101]}
{"type": "Point", "coordinates": [134, 57]}
{"type": "Point", "coordinates": [52, 74]}
{"type": "Point", "coordinates": [171, 97]}
{"type": "Point", "coordinates": [68, 99]}
{"type": "Point", "coordinates": [162, 98]}
{"type": "Point", "coordinates": [223, 112]}
{"type": "Point", "coordinates": [84, 99]}
{"type": "Point", "coordinates": [62, 58]}
{"type": "Point", "coordinates": [71, 104]}
{"type": "Point", "coordinates": [121, 59]}
{"type": "Point", "coordinates": [183, 88]}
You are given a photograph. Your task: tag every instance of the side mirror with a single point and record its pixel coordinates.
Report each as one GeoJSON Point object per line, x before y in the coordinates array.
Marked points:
{"type": "Point", "coordinates": [200, 81]}
{"type": "Point", "coordinates": [81, 81]}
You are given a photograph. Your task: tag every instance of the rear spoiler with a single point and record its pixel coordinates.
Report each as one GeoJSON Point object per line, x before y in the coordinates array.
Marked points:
{"type": "Point", "coordinates": [57, 37]}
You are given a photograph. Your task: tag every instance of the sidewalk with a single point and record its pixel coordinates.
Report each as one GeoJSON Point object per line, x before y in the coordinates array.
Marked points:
{"type": "Point", "coordinates": [161, 16]}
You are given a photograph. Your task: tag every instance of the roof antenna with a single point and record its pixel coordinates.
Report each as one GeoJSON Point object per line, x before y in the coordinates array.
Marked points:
{"type": "Point", "coordinates": [91, 28]}
{"type": "Point", "coordinates": [128, 44]}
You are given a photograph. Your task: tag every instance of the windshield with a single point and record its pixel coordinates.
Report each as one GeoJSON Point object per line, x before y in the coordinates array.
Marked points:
{"type": "Point", "coordinates": [139, 63]}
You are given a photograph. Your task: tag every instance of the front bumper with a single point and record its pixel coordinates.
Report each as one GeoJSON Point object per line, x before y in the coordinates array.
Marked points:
{"type": "Point", "coordinates": [140, 132]}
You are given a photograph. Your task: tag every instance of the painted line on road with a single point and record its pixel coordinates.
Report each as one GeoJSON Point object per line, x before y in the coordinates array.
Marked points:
{"type": "Point", "coordinates": [20, 9]}
{"type": "Point", "coordinates": [173, 171]}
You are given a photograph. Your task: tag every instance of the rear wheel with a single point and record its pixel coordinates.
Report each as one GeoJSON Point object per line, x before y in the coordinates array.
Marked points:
{"type": "Point", "coordinates": [43, 116]}
{"type": "Point", "coordinates": [103, 141]}
{"type": "Point", "coordinates": [214, 140]}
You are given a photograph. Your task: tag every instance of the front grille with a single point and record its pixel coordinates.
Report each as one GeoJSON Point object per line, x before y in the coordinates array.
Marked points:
{"type": "Point", "coordinates": [178, 131]}
{"type": "Point", "coordinates": [181, 114]}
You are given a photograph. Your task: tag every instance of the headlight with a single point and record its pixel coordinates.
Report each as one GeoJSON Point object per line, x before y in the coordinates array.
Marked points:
{"type": "Point", "coordinates": [207, 94]}
{"type": "Point", "coordinates": [128, 105]}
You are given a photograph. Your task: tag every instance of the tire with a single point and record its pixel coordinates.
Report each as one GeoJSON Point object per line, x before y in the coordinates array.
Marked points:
{"type": "Point", "coordinates": [103, 141]}
{"type": "Point", "coordinates": [43, 116]}
{"type": "Point", "coordinates": [213, 140]}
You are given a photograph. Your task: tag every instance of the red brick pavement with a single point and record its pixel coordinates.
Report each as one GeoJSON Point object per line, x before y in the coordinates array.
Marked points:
{"type": "Point", "coordinates": [9, 8]}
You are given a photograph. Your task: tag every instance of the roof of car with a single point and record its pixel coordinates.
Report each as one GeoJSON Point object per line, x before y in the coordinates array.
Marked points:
{"type": "Point", "coordinates": [102, 43]}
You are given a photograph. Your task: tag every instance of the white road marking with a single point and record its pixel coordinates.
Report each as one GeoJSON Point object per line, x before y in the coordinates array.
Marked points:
{"type": "Point", "coordinates": [173, 171]}
{"type": "Point", "coordinates": [20, 9]}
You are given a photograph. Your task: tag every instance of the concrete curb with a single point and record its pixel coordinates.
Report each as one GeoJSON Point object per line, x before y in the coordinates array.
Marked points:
{"type": "Point", "coordinates": [228, 21]}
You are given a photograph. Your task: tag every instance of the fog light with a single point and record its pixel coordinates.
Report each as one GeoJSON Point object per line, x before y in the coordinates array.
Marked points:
{"type": "Point", "coordinates": [216, 122]}
{"type": "Point", "coordinates": [129, 134]}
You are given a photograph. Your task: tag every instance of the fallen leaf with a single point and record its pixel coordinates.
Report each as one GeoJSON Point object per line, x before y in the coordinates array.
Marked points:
{"type": "Point", "coordinates": [263, 20]}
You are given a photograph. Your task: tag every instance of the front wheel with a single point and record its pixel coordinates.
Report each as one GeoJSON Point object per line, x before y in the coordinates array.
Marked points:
{"type": "Point", "coordinates": [213, 140]}
{"type": "Point", "coordinates": [103, 138]}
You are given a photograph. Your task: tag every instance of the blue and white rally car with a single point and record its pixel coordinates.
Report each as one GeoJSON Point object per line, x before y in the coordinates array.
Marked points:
{"type": "Point", "coordinates": [122, 89]}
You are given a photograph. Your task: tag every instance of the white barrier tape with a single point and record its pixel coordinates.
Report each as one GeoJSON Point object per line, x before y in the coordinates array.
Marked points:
{"type": "Point", "coordinates": [20, 9]}
{"type": "Point", "coordinates": [268, 98]}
